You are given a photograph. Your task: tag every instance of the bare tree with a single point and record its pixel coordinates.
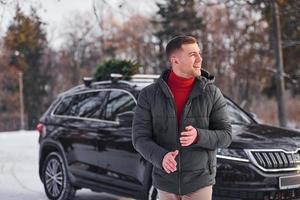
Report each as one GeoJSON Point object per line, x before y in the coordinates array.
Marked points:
{"type": "Point", "coordinates": [236, 49]}
{"type": "Point", "coordinates": [80, 47]}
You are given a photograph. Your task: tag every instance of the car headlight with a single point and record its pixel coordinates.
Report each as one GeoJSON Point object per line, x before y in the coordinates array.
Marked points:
{"type": "Point", "coordinates": [232, 154]}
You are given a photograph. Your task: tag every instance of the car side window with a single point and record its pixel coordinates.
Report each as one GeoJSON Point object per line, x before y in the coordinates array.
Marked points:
{"type": "Point", "coordinates": [85, 105]}
{"type": "Point", "coordinates": [64, 107]}
{"type": "Point", "coordinates": [118, 102]}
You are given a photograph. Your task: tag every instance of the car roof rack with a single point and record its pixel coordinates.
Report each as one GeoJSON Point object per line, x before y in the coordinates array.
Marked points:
{"type": "Point", "coordinates": [87, 81]}
{"type": "Point", "coordinates": [115, 78]}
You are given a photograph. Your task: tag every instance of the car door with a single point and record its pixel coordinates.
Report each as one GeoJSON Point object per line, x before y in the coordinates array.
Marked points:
{"type": "Point", "coordinates": [125, 165]}
{"type": "Point", "coordinates": [79, 116]}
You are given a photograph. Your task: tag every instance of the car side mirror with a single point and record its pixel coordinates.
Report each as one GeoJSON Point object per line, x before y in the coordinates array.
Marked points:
{"type": "Point", "coordinates": [125, 118]}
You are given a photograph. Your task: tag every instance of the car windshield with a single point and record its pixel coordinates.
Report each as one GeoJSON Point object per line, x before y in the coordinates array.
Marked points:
{"type": "Point", "coordinates": [237, 115]}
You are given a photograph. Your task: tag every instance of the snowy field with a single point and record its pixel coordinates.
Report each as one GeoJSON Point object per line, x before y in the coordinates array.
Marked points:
{"type": "Point", "coordinates": [19, 178]}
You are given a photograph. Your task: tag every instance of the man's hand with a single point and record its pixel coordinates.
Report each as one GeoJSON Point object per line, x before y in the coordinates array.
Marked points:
{"type": "Point", "coordinates": [189, 136]}
{"type": "Point", "coordinates": [169, 163]}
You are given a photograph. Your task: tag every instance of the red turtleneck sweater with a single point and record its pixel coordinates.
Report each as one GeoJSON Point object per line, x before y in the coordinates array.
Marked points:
{"type": "Point", "coordinates": [181, 88]}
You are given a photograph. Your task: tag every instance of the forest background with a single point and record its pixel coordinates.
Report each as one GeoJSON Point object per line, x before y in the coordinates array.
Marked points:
{"type": "Point", "coordinates": [236, 37]}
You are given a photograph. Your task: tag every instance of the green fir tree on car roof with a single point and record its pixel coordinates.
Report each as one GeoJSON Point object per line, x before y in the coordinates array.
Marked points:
{"type": "Point", "coordinates": [124, 67]}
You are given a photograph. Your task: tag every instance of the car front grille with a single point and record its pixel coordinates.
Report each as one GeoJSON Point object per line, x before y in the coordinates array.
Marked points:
{"type": "Point", "coordinates": [276, 160]}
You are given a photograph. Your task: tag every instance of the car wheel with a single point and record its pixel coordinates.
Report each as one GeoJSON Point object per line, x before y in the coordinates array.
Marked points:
{"type": "Point", "coordinates": [55, 178]}
{"type": "Point", "coordinates": [153, 195]}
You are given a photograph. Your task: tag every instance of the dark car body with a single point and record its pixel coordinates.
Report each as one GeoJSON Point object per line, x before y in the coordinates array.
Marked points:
{"type": "Point", "coordinates": [89, 129]}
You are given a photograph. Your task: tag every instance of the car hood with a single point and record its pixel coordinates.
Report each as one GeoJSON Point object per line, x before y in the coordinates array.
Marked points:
{"type": "Point", "coordinates": [258, 136]}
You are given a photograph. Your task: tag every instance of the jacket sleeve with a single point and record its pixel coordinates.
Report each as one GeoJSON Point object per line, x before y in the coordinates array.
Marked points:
{"type": "Point", "coordinates": [219, 133]}
{"type": "Point", "coordinates": [142, 133]}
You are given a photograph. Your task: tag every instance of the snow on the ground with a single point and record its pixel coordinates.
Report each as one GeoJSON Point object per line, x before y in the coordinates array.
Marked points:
{"type": "Point", "coordinates": [19, 179]}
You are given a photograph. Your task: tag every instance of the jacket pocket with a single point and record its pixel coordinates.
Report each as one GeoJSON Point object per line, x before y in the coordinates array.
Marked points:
{"type": "Point", "coordinates": [211, 165]}
{"type": "Point", "coordinates": [209, 162]}
{"type": "Point", "coordinates": [193, 159]}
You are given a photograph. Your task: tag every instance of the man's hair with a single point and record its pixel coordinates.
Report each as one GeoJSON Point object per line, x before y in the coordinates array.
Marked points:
{"type": "Point", "coordinates": [176, 42]}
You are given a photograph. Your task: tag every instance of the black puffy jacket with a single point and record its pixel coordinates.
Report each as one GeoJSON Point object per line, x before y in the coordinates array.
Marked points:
{"type": "Point", "coordinates": [155, 133]}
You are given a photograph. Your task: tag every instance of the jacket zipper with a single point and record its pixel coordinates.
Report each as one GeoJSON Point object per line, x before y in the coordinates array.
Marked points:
{"type": "Point", "coordinates": [178, 143]}
{"type": "Point", "coordinates": [184, 115]}
{"type": "Point", "coordinates": [179, 160]}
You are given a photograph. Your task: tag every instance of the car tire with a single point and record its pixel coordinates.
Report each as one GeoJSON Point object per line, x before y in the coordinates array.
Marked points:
{"type": "Point", "coordinates": [152, 194]}
{"type": "Point", "coordinates": [55, 178]}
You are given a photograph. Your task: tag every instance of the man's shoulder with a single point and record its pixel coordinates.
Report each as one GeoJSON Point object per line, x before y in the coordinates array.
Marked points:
{"type": "Point", "coordinates": [147, 94]}
{"type": "Point", "coordinates": [150, 88]}
{"type": "Point", "coordinates": [213, 91]}
{"type": "Point", "coordinates": [212, 87]}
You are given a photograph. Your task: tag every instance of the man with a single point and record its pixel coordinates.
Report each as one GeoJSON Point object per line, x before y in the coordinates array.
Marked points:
{"type": "Point", "coordinates": [179, 123]}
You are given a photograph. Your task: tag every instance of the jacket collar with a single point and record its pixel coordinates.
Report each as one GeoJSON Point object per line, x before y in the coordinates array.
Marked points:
{"type": "Point", "coordinates": [199, 87]}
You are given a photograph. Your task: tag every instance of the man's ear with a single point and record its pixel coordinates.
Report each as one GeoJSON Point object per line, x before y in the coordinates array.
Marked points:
{"type": "Point", "coordinates": [173, 59]}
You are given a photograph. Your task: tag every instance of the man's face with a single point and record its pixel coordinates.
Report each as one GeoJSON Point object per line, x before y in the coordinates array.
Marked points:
{"type": "Point", "coordinates": [187, 61]}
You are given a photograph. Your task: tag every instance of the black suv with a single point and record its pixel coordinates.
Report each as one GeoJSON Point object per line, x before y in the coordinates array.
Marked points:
{"type": "Point", "coordinates": [85, 142]}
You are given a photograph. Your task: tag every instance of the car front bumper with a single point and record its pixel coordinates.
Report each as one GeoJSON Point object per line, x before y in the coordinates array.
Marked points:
{"type": "Point", "coordinates": [242, 180]}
